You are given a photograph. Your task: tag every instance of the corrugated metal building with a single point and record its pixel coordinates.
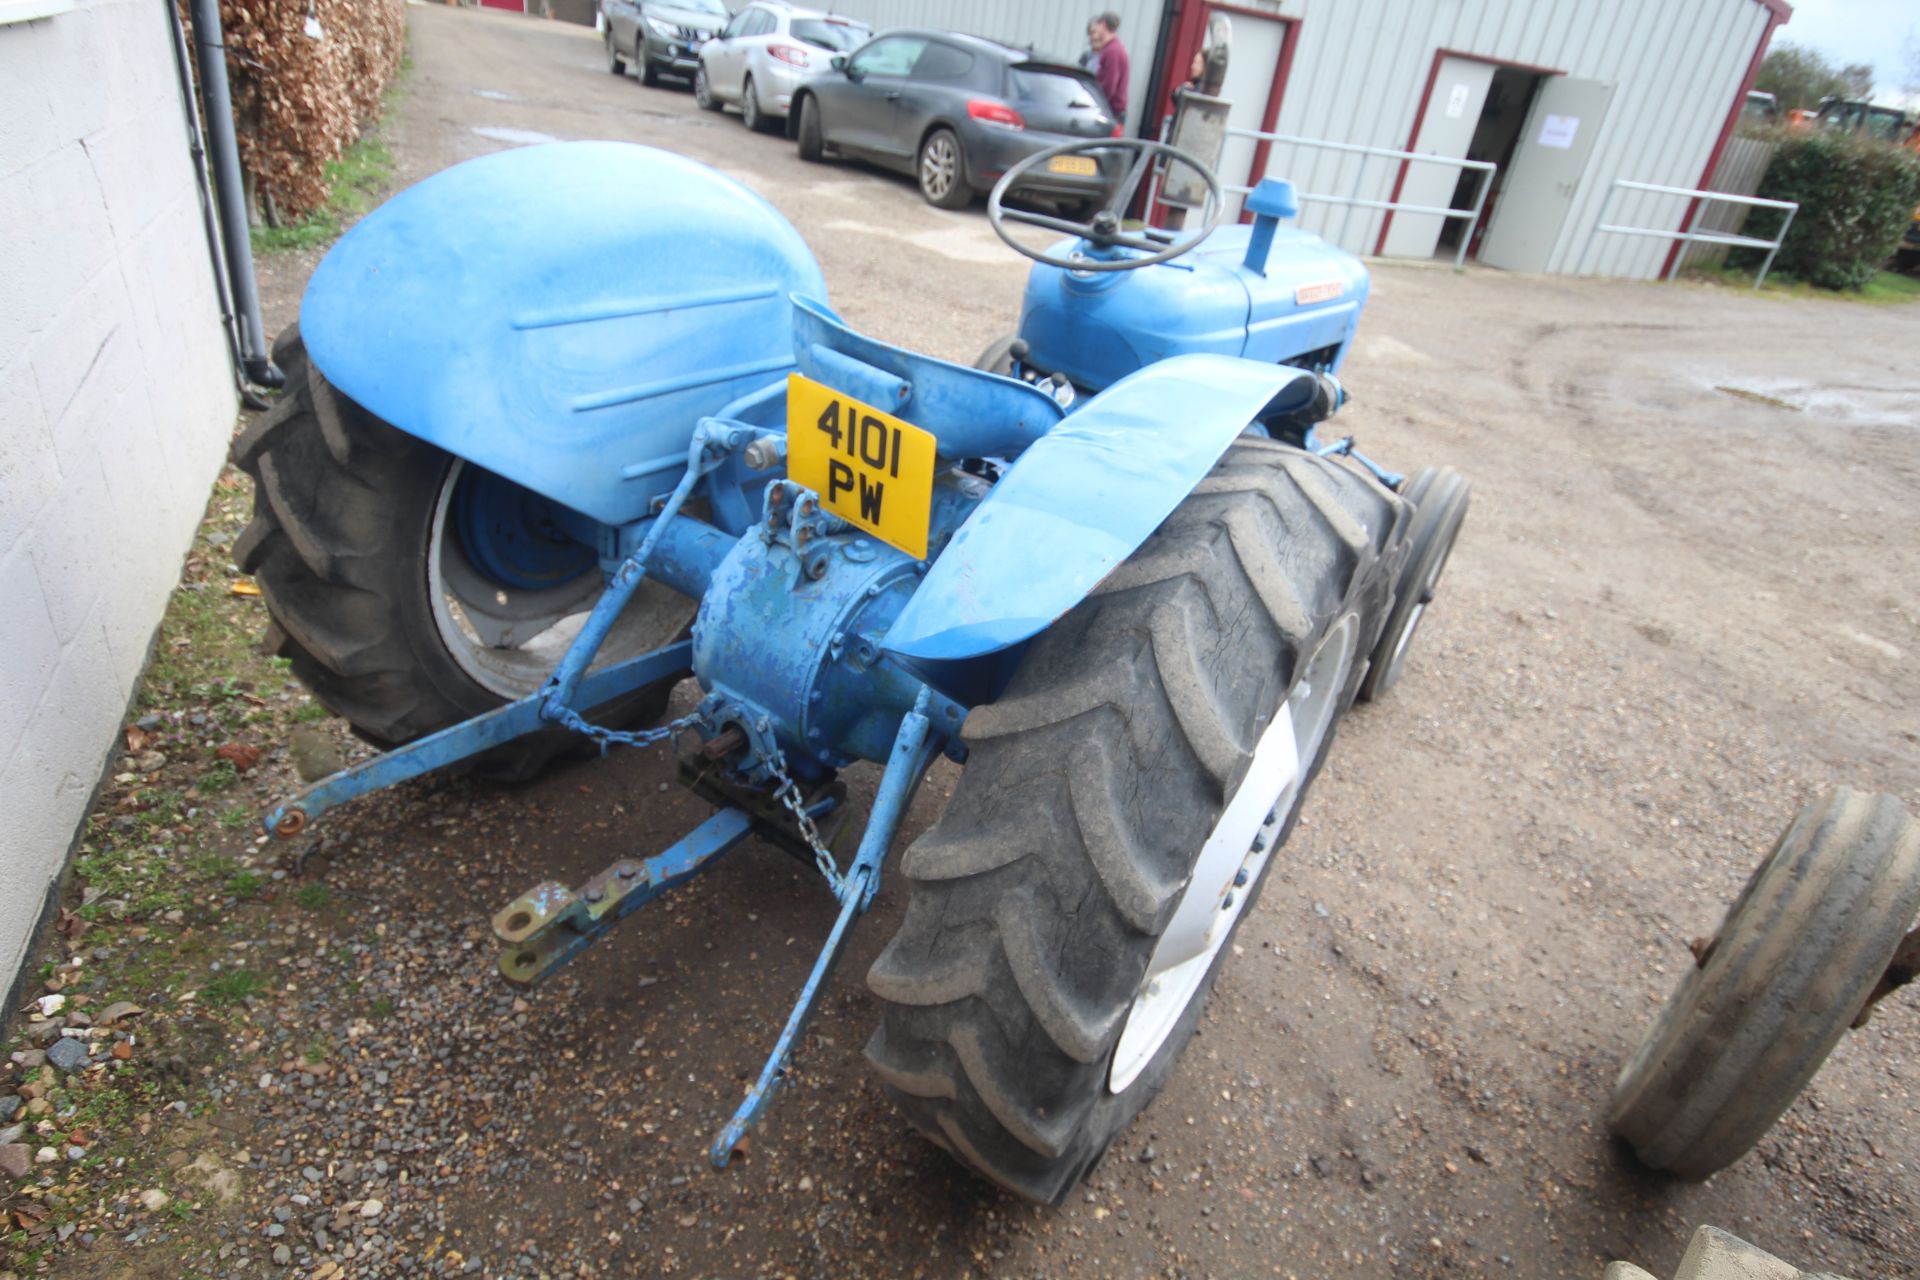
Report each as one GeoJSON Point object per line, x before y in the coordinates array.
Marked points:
{"type": "Point", "coordinates": [1565, 96]}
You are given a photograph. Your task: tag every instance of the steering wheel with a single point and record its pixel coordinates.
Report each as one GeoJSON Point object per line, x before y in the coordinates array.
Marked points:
{"type": "Point", "coordinates": [1103, 228]}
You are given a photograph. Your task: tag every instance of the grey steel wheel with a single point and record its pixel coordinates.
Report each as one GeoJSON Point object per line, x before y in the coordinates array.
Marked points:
{"type": "Point", "coordinates": [1816, 935]}
{"type": "Point", "coordinates": [943, 171]}
{"type": "Point", "coordinates": [703, 91]}
{"type": "Point", "coordinates": [615, 63]}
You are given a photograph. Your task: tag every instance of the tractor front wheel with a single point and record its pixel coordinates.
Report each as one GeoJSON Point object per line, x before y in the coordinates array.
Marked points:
{"type": "Point", "coordinates": [1120, 806]}
{"type": "Point", "coordinates": [1440, 496]}
{"type": "Point", "coordinates": [411, 590]}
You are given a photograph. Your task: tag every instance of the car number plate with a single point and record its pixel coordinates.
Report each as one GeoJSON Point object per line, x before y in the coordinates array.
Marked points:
{"type": "Point", "coordinates": [869, 468]}
{"type": "Point", "coordinates": [1080, 166]}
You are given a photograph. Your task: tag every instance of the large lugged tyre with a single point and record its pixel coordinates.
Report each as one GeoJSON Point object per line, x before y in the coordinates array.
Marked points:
{"type": "Point", "coordinates": [360, 552]}
{"type": "Point", "coordinates": [1802, 948]}
{"type": "Point", "coordinates": [1031, 1003]}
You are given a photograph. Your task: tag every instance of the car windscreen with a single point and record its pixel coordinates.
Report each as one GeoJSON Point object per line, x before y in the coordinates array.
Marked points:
{"type": "Point", "coordinates": [838, 36]}
{"type": "Point", "coordinates": [701, 6]}
{"type": "Point", "coordinates": [1051, 86]}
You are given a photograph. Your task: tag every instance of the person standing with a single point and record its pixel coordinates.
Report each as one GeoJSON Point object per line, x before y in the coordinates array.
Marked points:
{"type": "Point", "coordinates": [1109, 65]}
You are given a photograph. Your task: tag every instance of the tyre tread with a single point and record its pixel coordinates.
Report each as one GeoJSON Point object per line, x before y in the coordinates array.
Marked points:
{"type": "Point", "coordinates": [1034, 901]}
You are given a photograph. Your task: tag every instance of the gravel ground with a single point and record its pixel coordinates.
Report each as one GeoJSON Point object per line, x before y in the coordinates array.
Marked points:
{"type": "Point", "coordinates": [1683, 605]}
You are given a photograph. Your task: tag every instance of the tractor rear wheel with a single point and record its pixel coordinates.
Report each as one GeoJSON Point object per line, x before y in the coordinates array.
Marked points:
{"type": "Point", "coordinates": [1802, 949]}
{"type": "Point", "coordinates": [1120, 806]}
{"type": "Point", "coordinates": [411, 590]}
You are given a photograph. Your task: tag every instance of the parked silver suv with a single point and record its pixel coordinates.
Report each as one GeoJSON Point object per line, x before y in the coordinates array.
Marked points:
{"type": "Point", "coordinates": [764, 54]}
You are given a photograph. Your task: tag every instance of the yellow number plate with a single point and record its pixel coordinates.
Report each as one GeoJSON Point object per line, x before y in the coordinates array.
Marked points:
{"type": "Point", "coordinates": [869, 468]}
{"type": "Point", "coordinates": [1081, 165]}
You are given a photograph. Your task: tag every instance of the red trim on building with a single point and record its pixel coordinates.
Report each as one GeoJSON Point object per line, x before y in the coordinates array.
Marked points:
{"type": "Point", "coordinates": [1188, 38]}
{"type": "Point", "coordinates": [1420, 117]}
{"type": "Point", "coordinates": [1261, 149]}
{"type": "Point", "coordinates": [1778, 12]}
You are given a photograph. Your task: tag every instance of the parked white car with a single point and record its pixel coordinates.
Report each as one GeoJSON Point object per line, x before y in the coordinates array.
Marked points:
{"type": "Point", "coordinates": [764, 54]}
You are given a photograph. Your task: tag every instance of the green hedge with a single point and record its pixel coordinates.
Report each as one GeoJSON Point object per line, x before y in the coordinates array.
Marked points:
{"type": "Point", "coordinates": [1856, 197]}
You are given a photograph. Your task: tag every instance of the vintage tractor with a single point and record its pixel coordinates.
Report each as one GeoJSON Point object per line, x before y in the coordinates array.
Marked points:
{"type": "Point", "coordinates": [566, 424]}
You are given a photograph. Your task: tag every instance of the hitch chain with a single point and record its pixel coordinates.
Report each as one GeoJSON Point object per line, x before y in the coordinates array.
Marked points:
{"type": "Point", "coordinates": [604, 737]}
{"type": "Point", "coordinates": [788, 794]}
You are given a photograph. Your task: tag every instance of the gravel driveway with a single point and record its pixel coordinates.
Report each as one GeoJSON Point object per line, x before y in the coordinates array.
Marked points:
{"type": "Point", "coordinates": [1684, 604]}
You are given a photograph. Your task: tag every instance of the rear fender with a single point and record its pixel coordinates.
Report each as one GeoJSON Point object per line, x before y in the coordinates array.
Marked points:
{"type": "Point", "coordinates": [1080, 500]}
{"type": "Point", "coordinates": [562, 315]}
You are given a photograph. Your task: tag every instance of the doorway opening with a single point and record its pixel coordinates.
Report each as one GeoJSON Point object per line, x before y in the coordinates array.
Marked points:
{"type": "Point", "coordinates": [1496, 136]}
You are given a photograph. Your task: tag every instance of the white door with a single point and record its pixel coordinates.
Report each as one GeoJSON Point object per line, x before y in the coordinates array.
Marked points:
{"type": "Point", "coordinates": [1453, 113]}
{"type": "Point", "coordinates": [1253, 62]}
{"type": "Point", "coordinates": [1548, 163]}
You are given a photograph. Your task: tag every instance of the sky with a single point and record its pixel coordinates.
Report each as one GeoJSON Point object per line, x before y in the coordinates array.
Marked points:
{"type": "Point", "coordinates": [1870, 31]}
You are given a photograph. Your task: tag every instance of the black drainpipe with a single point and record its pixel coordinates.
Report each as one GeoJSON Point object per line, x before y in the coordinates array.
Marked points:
{"type": "Point", "coordinates": [224, 207]}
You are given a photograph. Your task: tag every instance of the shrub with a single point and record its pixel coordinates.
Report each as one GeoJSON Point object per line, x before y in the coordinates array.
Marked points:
{"type": "Point", "coordinates": [1855, 195]}
{"type": "Point", "coordinates": [298, 102]}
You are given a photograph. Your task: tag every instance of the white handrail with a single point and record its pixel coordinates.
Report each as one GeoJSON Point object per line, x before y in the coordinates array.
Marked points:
{"type": "Point", "coordinates": [1354, 201]}
{"type": "Point", "coordinates": [1691, 234]}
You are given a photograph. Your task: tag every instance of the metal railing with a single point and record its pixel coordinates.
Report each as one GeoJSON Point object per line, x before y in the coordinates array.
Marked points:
{"type": "Point", "coordinates": [1691, 234]}
{"type": "Point", "coordinates": [1353, 200]}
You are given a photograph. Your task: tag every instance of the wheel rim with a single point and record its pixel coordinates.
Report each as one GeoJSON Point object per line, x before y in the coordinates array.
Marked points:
{"type": "Point", "coordinates": [1236, 854]}
{"type": "Point", "coordinates": [701, 94]}
{"type": "Point", "coordinates": [938, 161]}
{"type": "Point", "coordinates": [749, 109]}
{"type": "Point", "coordinates": [506, 616]}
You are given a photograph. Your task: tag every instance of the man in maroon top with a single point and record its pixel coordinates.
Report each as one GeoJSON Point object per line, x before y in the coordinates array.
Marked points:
{"type": "Point", "coordinates": [1109, 61]}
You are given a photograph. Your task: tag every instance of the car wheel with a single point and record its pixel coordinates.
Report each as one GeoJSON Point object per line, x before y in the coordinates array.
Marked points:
{"type": "Point", "coordinates": [615, 63]}
{"type": "Point", "coordinates": [750, 113]}
{"type": "Point", "coordinates": [943, 171]}
{"type": "Point", "coordinates": [703, 91]}
{"type": "Point", "coordinates": [649, 74]}
{"type": "Point", "coordinates": [808, 133]}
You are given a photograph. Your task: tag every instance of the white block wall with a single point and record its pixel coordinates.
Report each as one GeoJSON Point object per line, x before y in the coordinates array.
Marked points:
{"type": "Point", "coordinates": [116, 404]}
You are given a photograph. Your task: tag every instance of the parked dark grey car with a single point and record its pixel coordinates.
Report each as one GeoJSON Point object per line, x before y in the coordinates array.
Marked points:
{"type": "Point", "coordinates": [660, 37]}
{"type": "Point", "coordinates": [956, 112]}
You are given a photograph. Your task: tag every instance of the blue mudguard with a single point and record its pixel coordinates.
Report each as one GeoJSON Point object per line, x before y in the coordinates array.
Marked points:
{"type": "Point", "coordinates": [1081, 499]}
{"type": "Point", "coordinates": [562, 315]}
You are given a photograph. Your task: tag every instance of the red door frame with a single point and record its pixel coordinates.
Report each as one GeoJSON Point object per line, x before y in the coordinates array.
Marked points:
{"type": "Point", "coordinates": [1420, 118]}
{"type": "Point", "coordinates": [1778, 12]}
{"type": "Point", "coordinates": [1188, 37]}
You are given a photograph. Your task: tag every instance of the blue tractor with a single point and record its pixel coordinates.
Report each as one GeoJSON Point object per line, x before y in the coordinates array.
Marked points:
{"type": "Point", "coordinates": [513, 493]}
